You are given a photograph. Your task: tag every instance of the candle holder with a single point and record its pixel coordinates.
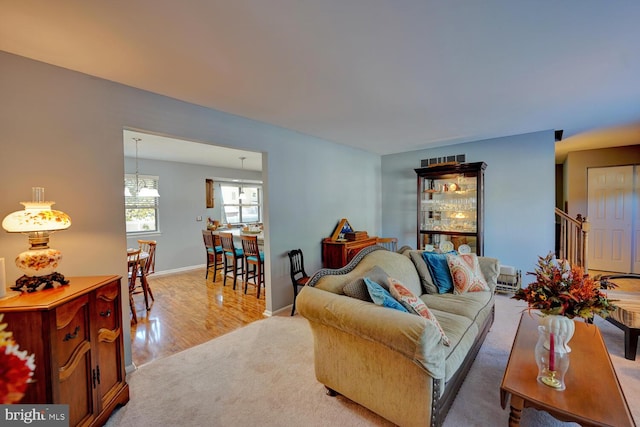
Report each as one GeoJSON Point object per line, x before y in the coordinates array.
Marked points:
{"type": "Point", "coordinates": [553, 362]}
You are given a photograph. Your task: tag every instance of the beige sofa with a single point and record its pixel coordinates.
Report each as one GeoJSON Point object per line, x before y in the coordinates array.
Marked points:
{"type": "Point", "coordinates": [391, 362]}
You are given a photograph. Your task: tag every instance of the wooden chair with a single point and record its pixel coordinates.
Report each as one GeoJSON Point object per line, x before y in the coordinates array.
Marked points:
{"type": "Point", "coordinates": [214, 253]}
{"type": "Point", "coordinates": [389, 243]}
{"type": "Point", "coordinates": [254, 263]}
{"type": "Point", "coordinates": [231, 257]}
{"type": "Point", "coordinates": [147, 267]}
{"type": "Point", "coordinates": [133, 262]}
{"type": "Point", "coordinates": [299, 277]}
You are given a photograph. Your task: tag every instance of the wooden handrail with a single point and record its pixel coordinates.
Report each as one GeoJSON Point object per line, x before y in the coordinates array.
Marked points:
{"type": "Point", "coordinates": [573, 238]}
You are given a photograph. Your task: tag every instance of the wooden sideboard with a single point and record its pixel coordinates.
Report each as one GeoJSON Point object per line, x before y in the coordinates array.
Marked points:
{"type": "Point", "coordinates": [75, 333]}
{"type": "Point", "coordinates": [337, 254]}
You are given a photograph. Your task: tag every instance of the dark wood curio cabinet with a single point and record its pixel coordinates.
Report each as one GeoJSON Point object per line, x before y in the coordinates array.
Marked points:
{"type": "Point", "coordinates": [451, 207]}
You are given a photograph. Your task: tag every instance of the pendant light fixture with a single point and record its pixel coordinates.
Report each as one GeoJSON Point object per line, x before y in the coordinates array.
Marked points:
{"type": "Point", "coordinates": [140, 187]}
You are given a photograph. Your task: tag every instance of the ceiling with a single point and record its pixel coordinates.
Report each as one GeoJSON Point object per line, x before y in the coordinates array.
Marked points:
{"type": "Point", "coordinates": [383, 76]}
{"type": "Point", "coordinates": [157, 147]}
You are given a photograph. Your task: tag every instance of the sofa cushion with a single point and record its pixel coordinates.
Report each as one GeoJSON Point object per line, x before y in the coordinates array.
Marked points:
{"type": "Point", "coordinates": [466, 274]}
{"type": "Point", "coordinates": [475, 306]}
{"type": "Point", "coordinates": [381, 296]}
{"type": "Point", "coordinates": [358, 289]}
{"type": "Point", "coordinates": [413, 304]}
{"type": "Point", "coordinates": [439, 270]}
{"type": "Point", "coordinates": [462, 333]}
{"type": "Point", "coordinates": [426, 281]}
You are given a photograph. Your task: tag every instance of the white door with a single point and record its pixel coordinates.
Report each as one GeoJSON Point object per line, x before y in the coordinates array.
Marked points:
{"type": "Point", "coordinates": [610, 211]}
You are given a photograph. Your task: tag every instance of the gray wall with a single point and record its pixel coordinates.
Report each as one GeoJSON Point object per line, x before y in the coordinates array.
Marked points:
{"type": "Point", "coordinates": [519, 195]}
{"type": "Point", "coordinates": [63, 130]}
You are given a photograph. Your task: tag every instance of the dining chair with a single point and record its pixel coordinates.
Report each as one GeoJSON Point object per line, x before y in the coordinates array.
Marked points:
{"type": "Point", "coordinates": [299, 277]}
{"type": "Point", "coordinates": [389, 243]}
{"type": "Point", "coordinates": [254, 263]}
{"type": "Point", "coordinates": [147, 267]}
{"type": "Point", "coordinates": [133, 263]}
{"type": "Point", "coordinates": [232, 256]}
{"type": "Point", "coordinates": [214, 253]}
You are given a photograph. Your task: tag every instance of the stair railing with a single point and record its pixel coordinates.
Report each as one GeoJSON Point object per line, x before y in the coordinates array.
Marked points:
{"type": "Point", "coordinates": [573, 238]}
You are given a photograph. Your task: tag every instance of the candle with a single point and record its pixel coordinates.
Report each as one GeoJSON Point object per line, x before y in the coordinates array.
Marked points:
{"type": "Point", "coordinates": [552, 352]}
{"type": "Point", "coordinates": [3, 280]}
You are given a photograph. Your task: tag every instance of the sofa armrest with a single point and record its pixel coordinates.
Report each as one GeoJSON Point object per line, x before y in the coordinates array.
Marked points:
{"type": "Point", "coordinates": [410, 335]}
{"type": "Point", "coordinates": [490, 268]}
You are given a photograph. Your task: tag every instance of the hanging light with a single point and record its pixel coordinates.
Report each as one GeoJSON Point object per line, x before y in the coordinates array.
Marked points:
{"type": "Point", "coordinates": [140, 188]}
{"type": "Point", "coordinates": [242, 196]}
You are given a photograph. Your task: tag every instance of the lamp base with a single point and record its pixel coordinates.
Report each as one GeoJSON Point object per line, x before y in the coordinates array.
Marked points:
{"type": "Point", "coordinates": [32, 283]}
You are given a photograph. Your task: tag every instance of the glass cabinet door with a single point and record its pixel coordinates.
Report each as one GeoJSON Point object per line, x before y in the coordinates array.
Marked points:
{"type": "Point", "coordinates": [450, 207]}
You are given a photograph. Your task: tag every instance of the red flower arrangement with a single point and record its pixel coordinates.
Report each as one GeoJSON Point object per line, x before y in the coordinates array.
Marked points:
{"type": "Point", "coordinates": [566, 291]}
{"type": "Point", "coordinates": [16, 368]}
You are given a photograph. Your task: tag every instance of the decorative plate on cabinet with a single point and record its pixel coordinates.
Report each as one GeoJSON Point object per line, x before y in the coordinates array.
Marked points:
{"type": "Point", "coordinates": [446, 246]}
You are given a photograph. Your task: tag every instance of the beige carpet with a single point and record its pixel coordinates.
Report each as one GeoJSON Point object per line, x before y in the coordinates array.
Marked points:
{"type": "Point", "coordinates": [263, 375]}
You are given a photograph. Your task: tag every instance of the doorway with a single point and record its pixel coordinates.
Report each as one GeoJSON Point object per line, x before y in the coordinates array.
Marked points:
{"type": "Point", "coordinates": [612, 209]}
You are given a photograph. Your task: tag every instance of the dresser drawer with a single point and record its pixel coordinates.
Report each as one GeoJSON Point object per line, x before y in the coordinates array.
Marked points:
{"type": "Point", "coordinates": [72, 320]}
{"type": "Point", "coordinates": [108, 307]}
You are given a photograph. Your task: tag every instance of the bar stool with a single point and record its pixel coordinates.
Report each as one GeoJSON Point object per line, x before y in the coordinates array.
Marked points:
{"type": "Point", "coordinates": [214, 253]}
{"type": "Point", "coordinates": [231, 257]}
{"type": "Point", "coordinates": [253, 257]}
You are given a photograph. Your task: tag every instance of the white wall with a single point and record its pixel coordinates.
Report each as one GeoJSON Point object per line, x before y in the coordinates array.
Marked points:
{"type": "Point", "coordinates": [519, 195]}
{"type": "Point", "coordinates": [63, 130]}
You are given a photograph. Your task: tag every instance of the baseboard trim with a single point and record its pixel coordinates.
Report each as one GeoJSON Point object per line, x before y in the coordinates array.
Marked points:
{"type": "Point", "coordinates": [178, 270]}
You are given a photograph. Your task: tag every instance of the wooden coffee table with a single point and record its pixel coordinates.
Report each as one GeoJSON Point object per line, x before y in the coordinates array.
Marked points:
{"type": "Point", "coordinates": [593, 396]}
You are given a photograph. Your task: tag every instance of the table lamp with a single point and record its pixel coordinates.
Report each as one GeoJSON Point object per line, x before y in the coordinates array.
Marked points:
{"type": "Point", "coordinates": [37, 221]}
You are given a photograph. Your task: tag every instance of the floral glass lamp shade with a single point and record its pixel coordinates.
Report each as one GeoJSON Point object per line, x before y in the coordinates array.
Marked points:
{"type": "Point", "coordinates": [37, 221]}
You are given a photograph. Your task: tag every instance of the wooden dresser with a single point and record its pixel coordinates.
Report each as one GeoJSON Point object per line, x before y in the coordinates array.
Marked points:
{"type": "Point", "coordinates": [75, 332]}
{"type": "Point", "coordinates": [336, 253]}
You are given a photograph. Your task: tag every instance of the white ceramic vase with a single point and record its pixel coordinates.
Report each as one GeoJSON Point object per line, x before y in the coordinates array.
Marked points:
{"type": "Point", "coordinates": [559, 325]}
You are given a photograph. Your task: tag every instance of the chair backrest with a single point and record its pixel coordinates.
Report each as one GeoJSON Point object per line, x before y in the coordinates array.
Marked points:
{"type": "Point", "coordinates": [250, 246]}
{"type": "Point", "coordinates": [389, 243]}
{"type": "Point", "coordinates": [297, 265]}
{"type": "Point", "coordinates": [208, 238]}
{"type": "Point", "coordinates": [148, 246]}
{"type": "Point", "coordinates": [226, 239]}
{"type": "Point", "coordinates": [133, 261]}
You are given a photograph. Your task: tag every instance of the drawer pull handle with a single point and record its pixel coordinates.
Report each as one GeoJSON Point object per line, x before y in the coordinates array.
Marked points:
{"type": "Point", "coordinates": [71, 336]}
{"type": "Point", "coordinates": [106, 313]}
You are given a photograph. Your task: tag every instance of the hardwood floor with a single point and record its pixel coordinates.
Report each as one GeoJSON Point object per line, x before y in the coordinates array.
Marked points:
{"type": "Point", "coordinates": [189, 310]}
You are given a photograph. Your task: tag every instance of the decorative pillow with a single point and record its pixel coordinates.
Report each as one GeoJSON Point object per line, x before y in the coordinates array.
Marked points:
{"type": "Point", "coordinates": [357, 288]}
{"type": "Point", "coordinates": [413, 304]}
{"type": "Point", "coordinates": [466, 273]}
{"type": "Point", "coordinates": [439, 270]}
{"type": "Point", "coordinates": [423, 271]}
{"type": "Point", "coordinates": [381, 296]}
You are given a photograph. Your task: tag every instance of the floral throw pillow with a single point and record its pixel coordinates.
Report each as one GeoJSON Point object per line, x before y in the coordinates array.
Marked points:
{"type": "Point", "coordinates": [466, 274]}
{"type": "Point", "coordinates": [413, 304]}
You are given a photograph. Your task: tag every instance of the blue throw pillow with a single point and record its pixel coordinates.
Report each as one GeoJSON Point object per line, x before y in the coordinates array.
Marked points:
{"type": "Point", "coordinates": [439, 270]}
{"type": "Point", "coordinates": [381, 296]}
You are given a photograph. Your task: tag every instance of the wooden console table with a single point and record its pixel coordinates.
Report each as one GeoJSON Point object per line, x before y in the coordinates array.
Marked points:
{"type": "Point", "coordinates": [338, 253]}
{"type": "Point", "coordinates": [75, 333]}
{"type": "Point", "coordinates": [590, 369]}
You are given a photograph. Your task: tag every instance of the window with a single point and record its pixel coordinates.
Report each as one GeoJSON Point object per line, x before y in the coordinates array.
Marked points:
{"type": "Point", "coordinates": [241, 203]}
{"type": "Point", "coordinates": [141, 213]}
